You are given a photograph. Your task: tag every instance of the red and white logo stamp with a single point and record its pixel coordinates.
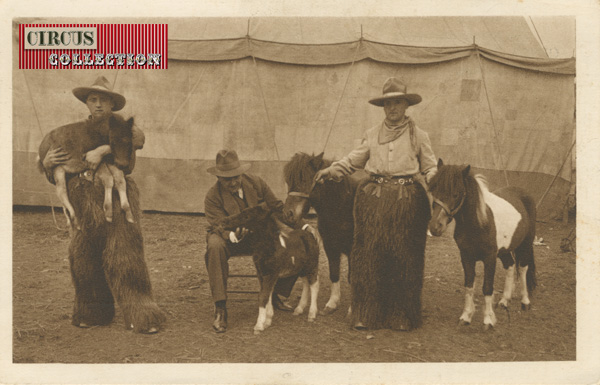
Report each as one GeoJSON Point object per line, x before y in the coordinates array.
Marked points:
{"type": "Point", "coordinates": [93, 46]}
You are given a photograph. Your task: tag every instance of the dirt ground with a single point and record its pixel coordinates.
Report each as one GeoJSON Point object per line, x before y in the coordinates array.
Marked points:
{"type": "Point", "coordinates": [174, 249]}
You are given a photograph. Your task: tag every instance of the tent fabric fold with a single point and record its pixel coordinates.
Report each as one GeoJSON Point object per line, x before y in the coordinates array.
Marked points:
{"type": "Point", "coordinates": [348, 52]}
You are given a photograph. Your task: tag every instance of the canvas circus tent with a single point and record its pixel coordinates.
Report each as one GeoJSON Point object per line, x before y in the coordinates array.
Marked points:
{"type": "Point", "coordinates": [497, 94]}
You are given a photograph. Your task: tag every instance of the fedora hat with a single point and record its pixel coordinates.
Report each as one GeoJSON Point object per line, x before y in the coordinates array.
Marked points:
{"type": "Point", "coordinates": [101, 85]}
{"type": "Point", "coordinates": [395, 89]}
{"type": "Point", "coordinates": [228, 165]}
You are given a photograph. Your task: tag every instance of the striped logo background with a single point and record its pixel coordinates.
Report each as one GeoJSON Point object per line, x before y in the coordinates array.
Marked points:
{"type": "Point", "coordinates": [133, 39]}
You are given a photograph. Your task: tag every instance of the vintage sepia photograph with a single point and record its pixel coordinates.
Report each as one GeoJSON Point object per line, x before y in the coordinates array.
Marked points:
{"type": "Point", "coordinates": [344, 197]}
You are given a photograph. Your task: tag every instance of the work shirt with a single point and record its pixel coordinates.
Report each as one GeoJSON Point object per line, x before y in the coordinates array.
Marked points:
{"type": "Point", "coordinates": [400, 156]}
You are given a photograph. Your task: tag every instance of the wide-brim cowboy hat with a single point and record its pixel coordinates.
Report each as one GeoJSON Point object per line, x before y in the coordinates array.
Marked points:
{"type": "Point", "coordinates": [395, 89]}
{"type": "Point", "coordinates": [228, 165]}
{"type": "Point", "coordinates": [102, 86]}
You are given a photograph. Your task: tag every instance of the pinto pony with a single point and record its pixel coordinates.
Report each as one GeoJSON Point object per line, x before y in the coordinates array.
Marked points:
{"type": "Point", "coordinates": [488, 225]}
{"type": "Point", "coordinates": [278, 252]}
{"type": "Point", "coordinates": [78, 138]}
{"type": "Point", "coordinates": [333, 203]}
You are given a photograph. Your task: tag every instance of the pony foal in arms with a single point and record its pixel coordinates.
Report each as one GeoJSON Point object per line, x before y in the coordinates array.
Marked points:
{"type": "Point", "coordinates": [78, 138]}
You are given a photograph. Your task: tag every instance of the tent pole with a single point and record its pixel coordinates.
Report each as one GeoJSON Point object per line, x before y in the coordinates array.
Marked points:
{"type": "Point", "coordinates": [492, 116]}
{"type": "Point", "coordinates": [555, 176]}
{"type": "Point", "coordinates": [263, 98]}
{"type": "Point", "coordinates": [343, 90]}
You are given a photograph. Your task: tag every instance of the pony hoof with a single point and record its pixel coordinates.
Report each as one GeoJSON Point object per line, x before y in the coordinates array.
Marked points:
{"type": "Point", "coordinates": [298, 311]}
{"type": "Point", "coordinates": [109, 219]}
{"type": "Point", "coordinates": [257, 332]}
{"type": "Point", "coordinates": [129, 218]}
{"type": "Point", "coordinates": [488, 327]}
{"type": "Point", "coordinates": [462, 322]}
{"type": "Point", "coordinates": [152, 330]}
{"type": "Point", "coordinates": [328, 310]}
{"type": "Point", "coordinates": [525, 306]}
{"type": "Point", "coordinates": [502, 305]}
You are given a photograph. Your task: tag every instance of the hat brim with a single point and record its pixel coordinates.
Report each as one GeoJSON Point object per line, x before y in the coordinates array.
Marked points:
{"type": "Point", "coordinates": [412, 99]}
{"type": "Point", "coordinates": [82, 93]}
{"type": "Point", "coordinates": [229, 173]}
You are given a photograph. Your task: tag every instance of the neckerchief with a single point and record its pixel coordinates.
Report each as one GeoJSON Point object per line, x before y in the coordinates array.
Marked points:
{"type": "Point", "coordinates": [389, 133]}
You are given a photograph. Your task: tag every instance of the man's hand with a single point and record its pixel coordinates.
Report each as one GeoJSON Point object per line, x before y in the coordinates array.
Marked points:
{"type": "Point", "coordinates": [238, 235]}
{"type": "Point", "coordinates": [95, 156]}
{"type": "Point", "coordinates": [323, 175]}
{"type": "Point", "coordinates": [54, 158]}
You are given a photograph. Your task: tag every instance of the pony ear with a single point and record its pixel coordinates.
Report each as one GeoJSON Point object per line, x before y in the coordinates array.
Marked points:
{"type": "Point", "coordinates": [465, 170]}
{"type": "Point", "coordinates": [317, 161]}
{"type": "Point", "coordinates": [440, 163]}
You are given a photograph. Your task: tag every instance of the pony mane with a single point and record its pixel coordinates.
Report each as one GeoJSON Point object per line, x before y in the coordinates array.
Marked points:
{"type": "Point", "coordinates": [298, 172]}
{"type": "Point", "coordinates": [483, 189]}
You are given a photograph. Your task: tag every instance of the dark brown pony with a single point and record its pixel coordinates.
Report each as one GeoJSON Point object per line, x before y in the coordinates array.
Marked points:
{"type": "Point", "coordinates": [488, 225]}
{"type": "Point", "coordinates": [333, 203]}
{"type": "Point", "coordinates": [278, 252]}
{"type": "Point", "coordinates": [76, 140]}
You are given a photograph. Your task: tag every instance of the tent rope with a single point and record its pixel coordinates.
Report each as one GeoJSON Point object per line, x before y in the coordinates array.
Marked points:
{"type": "Point", "coordinates": [343, 90]}
{"type": "Point", "coordinates": [555, 176]}
{"type": "Point", "coordinates": [487, 96]}
{"type": "Point", "coordinates": [41, 132]}
{"type": "Point", "coordinates": [183, 103]}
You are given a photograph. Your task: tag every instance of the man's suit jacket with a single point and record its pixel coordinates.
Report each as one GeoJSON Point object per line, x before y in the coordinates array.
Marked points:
{"type": "Point", "coordinates": [219, 203]}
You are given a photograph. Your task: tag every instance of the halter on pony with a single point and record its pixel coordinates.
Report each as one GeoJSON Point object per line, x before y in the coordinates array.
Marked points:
{"type": "Point", "coordinates": [302, 194]}
{"type": "Point", "coordinates": [450, 213]}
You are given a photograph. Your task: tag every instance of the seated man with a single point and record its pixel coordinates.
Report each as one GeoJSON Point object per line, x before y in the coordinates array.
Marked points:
{"type": "Point", "coordinates": [233, 192]}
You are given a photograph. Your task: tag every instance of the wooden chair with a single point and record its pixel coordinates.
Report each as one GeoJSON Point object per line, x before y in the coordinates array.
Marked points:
{"type": "Point", "coordinates": [241, 267]}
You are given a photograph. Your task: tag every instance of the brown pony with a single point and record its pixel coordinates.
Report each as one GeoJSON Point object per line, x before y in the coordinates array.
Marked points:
{"type": "Point", "coordinates": [488, 225]}
{"type": "Point", "coordinates": [333, 203]}
{"type": "Point", "coordinates": [77, 139]}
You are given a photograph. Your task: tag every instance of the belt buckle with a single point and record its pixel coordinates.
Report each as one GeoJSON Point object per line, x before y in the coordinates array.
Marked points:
{"type": "Point", "coordinates": [401, 181]}
{"type": "Point", "coordinates": [379, 180]}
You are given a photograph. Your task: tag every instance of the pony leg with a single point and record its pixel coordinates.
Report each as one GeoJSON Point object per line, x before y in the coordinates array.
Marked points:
{"type": "Point", "coordinates": [303, 298]}
{"type": "Point", "coordinates": [489, 317]}
{"type": "Point", "coordinates": [266, 291]}
{"type": "Point", "coordinates": [334, 258]}
{"type": "Point", "coordinates": [61, 191]}
{"type": "Point", "coordinates": [108, 182]}
{"type": "Point", "coordinates": [269, 311]}
{"type": "Point", "coordinates": [120, 184]}
{"type": "Point", "coordinates": [314, 293]}
{"type": "Point", "coordinates": [469, 307]}
{"type": "Point", "coordinates": [525, 303]}
{"type": "Point", "coordinates": [509, 284]}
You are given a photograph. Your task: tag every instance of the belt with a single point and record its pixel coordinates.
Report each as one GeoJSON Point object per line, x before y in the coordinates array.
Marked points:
{"type": "Point", "coordinates": [391, 179]}
{"type": "Point", "coordinates": [400, 181]}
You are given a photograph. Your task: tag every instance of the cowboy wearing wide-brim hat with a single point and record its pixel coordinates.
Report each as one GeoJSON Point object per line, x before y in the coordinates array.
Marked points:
{"type": "Point", "coordinates": [101, 86]}
{"type": "Point", "coordinates": [394, 89]}
{"type": "Point", "coordinates": [105, 102]}
{"type": "Point", "coordinates": [395, 153]}
{"type": "Point", "coordinates": [234, 191]}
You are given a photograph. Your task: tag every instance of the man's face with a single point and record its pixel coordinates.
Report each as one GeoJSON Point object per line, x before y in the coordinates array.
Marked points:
{"type": "Point", "coordinates": [231, 184]}
{"type": "Point", "coordinates": [99, 104]}
{"type": "Point", "coordinates": [395, 109]}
